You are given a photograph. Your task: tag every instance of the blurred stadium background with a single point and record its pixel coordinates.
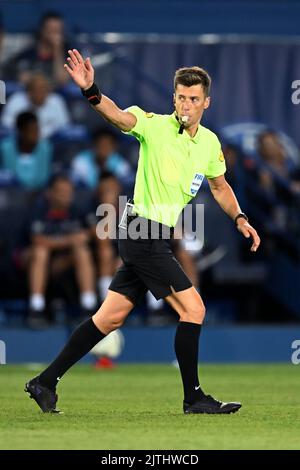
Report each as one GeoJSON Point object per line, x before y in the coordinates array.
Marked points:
{"type": "Point", "coordinates": [252, 52]}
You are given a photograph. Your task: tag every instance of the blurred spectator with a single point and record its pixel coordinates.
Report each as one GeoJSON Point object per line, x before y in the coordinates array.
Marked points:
{"type": "Point", "coordinates": [278, 181]}
{"type": "Point", "coordinates": [25, 155]}
{"type": "Point", "coordinates": [88, 165]}
{"type": "Point", "coordinates": [46, 55]}
{"type": "Point", "coordinates": [59, 241]}
{"type": "Point", "coordinates": [267, 181]}
{"type": "Point", "coordinates": [49, 107]}
{"type": "Point", "coordinates": [275, 156]}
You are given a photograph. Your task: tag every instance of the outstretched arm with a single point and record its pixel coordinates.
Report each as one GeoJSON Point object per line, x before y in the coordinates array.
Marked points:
{"type": "Point", "coordinates": [226, 199]}
{"type": "Point", "coordinates": [82, 72]}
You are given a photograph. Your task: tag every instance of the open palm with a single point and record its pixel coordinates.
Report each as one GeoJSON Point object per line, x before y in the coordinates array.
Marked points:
{"type": "Point", "coordinates": [80, 69]}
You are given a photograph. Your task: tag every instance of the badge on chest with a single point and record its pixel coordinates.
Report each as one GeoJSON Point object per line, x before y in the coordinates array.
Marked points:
{"type": "Point", "coordinates": [196, 183]}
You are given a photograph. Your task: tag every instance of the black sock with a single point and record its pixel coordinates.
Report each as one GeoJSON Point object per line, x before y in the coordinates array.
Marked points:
{"type": "Point", "coordinates": [82, 340]}
{"type": "Point", "coordinates": [186, 349]}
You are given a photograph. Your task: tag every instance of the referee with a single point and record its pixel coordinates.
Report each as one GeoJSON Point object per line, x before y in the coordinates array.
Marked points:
{"type": "Point", "coordinates": [176, 152]}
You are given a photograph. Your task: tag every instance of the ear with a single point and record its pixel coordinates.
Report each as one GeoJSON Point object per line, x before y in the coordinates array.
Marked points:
{"type": "Point", "coordinates": [173, 98]}
{"type": "Point", "coordinates": [207, 102]}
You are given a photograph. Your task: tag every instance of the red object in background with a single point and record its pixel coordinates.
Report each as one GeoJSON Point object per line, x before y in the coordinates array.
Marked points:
{"type": "Point", "coordinates": [59, 214]}
{"type": "Point", "coordinates": [105, 363]}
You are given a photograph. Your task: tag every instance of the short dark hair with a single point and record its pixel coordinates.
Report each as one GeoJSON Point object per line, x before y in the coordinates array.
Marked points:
{"type": "Point", "coordinates": [189, 76]}
{"type": "Point", "coordinates": [106, 175]}
{"type": "Point", "coordinates": [50, 15]}
{"type": "Point", "coordinates": [25, 118]}
{"type": "Point", "coordinates": [60, 176]}
{"type": "Point", "coordinates": [104, 132]}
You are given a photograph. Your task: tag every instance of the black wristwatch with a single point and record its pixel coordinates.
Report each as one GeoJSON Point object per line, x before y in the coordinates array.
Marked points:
{"type": "Point", "coordinates": [241, 215]}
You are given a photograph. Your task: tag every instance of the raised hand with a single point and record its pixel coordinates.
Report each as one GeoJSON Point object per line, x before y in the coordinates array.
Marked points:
{"type": "Point", "coordinates": [80, 69]}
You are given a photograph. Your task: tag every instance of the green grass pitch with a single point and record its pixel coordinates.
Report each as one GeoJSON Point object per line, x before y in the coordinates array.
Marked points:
{"type": "Point", "coordinates": [140, 407]}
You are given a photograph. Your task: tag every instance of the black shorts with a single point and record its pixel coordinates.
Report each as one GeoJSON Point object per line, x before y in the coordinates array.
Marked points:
{"type": "Point", "coordinates": [148, 264]}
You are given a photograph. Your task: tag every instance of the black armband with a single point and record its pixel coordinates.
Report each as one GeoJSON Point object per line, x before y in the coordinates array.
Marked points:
{"type": "Point", "coordinates": [92, 94]}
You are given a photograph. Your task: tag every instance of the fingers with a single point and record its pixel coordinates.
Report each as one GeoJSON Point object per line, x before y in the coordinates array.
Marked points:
{"type": "Point", "coordinates": [88, 64]}
{"type": "Point", "coordinates": [75, 60]}
{"type": "Point", "coordinates": [68, 69]}
{"type": "Point", "coordinates": [73, 56]}
{"type": "Point", "coordinates": [256, 240]}
{"type": "Point", "coordinates": [245, 231]}
{"type": "Point", "coordinates": [71, 64]}
{"type": "Point", "coordinates": [78, 56]}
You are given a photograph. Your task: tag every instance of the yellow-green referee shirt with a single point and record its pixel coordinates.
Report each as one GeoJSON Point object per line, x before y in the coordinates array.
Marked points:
{"type": "Point", "coordinates": [171, 166]}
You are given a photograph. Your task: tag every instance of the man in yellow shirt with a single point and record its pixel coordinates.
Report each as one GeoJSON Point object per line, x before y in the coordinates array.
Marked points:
{"type": "Point", "coordinates": [176, 153]}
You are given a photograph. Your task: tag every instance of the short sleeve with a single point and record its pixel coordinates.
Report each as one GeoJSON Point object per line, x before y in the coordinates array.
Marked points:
{"type": "Point", "coordinates": [216, 166]}
{"type": "Point", "coordinates": [140, 129]}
